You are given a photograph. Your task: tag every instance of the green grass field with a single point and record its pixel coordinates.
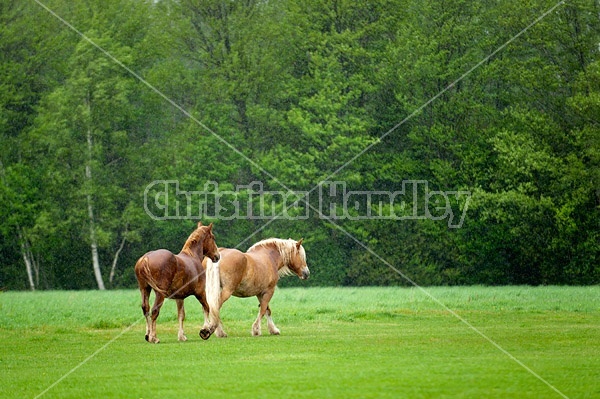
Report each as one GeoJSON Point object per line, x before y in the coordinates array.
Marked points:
{"type": "Point", "coordinates": [334, 343]}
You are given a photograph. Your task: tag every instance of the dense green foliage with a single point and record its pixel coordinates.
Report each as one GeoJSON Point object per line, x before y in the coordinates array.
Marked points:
{"type": "Point", "coordinates": [291, 94]}
{"type": "Point", "coordinates": [335, 342]}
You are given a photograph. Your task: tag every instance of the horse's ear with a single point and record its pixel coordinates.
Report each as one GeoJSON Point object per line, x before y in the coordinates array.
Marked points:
{"type": "Point", "coordinates": [200, 224]}
{"type": "Point", "coordinates": [299, 243]}
{"type": "Point", "coordinates": [210, 227]}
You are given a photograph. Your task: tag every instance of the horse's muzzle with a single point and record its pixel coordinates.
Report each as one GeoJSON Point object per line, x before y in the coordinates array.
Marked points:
{"type": "Point", "coordinates": [216, 258]}
{"type": "Point", "coordinates": [305, 274]}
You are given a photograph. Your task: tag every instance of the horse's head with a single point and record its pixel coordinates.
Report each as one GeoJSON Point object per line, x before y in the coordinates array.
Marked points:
{"type": "Point", "coordinates": [297, 262]}
{"type": "Point", "coordinates": [209, 246]}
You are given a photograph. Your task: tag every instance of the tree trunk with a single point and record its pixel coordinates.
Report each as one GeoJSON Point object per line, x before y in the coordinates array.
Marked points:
{"type": "Point", "coordinates": [90, 205]}
{"type": "Point", "coordinates": [115, 259]}
{"type": "Point", "coordinates": [27, 258]}
{"type": "Point", "coordinates": [36, 268]}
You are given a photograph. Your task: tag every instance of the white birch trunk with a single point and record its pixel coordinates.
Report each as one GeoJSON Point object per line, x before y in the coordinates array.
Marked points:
{"type": "Point", "coordinates": [36, 268]}
{"type": "Point", "coordinates": [90, 206]}
{"type": "Point", "coordinates": [28, 261]}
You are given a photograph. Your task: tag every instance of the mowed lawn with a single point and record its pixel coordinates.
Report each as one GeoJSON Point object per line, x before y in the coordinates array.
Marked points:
{"type": "Point", "coordinates": [533, 342]}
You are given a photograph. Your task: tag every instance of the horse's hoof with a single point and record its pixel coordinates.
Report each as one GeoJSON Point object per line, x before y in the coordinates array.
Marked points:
{"type": "Point", "coordinates": [153, 340]}
{"type": "Point", "coordinates": [182, 338]}
{"type": "Point", "coordinates": [204, 334]}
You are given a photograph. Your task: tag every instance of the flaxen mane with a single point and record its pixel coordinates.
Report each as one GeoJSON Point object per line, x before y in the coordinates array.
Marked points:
{"type": "Point", "coordinates": [285, 247]}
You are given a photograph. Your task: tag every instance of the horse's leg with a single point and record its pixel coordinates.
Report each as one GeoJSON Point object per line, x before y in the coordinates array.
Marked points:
{"type": "Point", "coordinates": [145, 291]}
{"type": "Point", "coordinates": [263, 304]}
{"type": "Point", "coordinates": [181, 317]}
{"type": "Point", "coordinates": [219, 332]}
{"type": "Point", "coordinates": [158, 302]}
{"type": "Point", "coordinates": [273, 330]}
{"type": "Point", "coordinates": [205, 332]}
{"type": "Point", "coordinates": [205, 309]}
{"type": "Point", "coordinates": [225, 295]}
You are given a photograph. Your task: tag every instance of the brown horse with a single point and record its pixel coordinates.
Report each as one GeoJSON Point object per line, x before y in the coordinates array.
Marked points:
{"type": "Point", "coordinates": [253, 273]}
{"type": "Point", "coordinates": [177, 277]}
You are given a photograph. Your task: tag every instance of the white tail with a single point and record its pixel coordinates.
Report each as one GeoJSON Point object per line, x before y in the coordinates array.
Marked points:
{"type": "Point", "coordinates": [213, 291]}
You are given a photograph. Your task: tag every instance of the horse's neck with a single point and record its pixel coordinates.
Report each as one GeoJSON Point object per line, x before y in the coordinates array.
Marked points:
{"type": "Point", "coordinates": [275, 257]}
{"type": "Point", "coordinates": [194, 252]}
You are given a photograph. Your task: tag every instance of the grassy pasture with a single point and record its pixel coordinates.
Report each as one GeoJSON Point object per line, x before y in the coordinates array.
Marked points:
{"type": "Point", "coordinates": [335, 343]}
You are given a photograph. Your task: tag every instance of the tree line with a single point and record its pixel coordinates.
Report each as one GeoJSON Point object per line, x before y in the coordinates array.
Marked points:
{"type": "Point", "coordinates": [497, 100]}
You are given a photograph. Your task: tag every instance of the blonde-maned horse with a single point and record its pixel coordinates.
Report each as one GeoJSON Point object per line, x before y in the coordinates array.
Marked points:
{"type": "Point", "coordinates": [177, 277]}
{"type": "Point", "coordinates": [253, 273]}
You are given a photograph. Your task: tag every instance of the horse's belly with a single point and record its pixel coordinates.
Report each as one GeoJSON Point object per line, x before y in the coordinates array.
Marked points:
{"type": "Point", "coordinates": [245, 290]}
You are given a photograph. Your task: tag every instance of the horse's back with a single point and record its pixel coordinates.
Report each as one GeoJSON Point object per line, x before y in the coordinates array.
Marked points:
{"type": "Point", "coordinates": [157, 258]}
{"type": "Point", "coordinates": [232, 259]}
{"type": "Point", "coordinates": [246, 274]}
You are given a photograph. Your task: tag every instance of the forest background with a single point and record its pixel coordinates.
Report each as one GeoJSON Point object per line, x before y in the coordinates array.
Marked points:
{"type": "Point", "coordinates": [458, 94]}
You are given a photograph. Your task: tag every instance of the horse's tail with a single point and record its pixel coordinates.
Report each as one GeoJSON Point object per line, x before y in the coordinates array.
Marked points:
{"type": "Point", "coordinates": [144, 269]}
{"type": "Point", "coordinates": [213, 291]}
